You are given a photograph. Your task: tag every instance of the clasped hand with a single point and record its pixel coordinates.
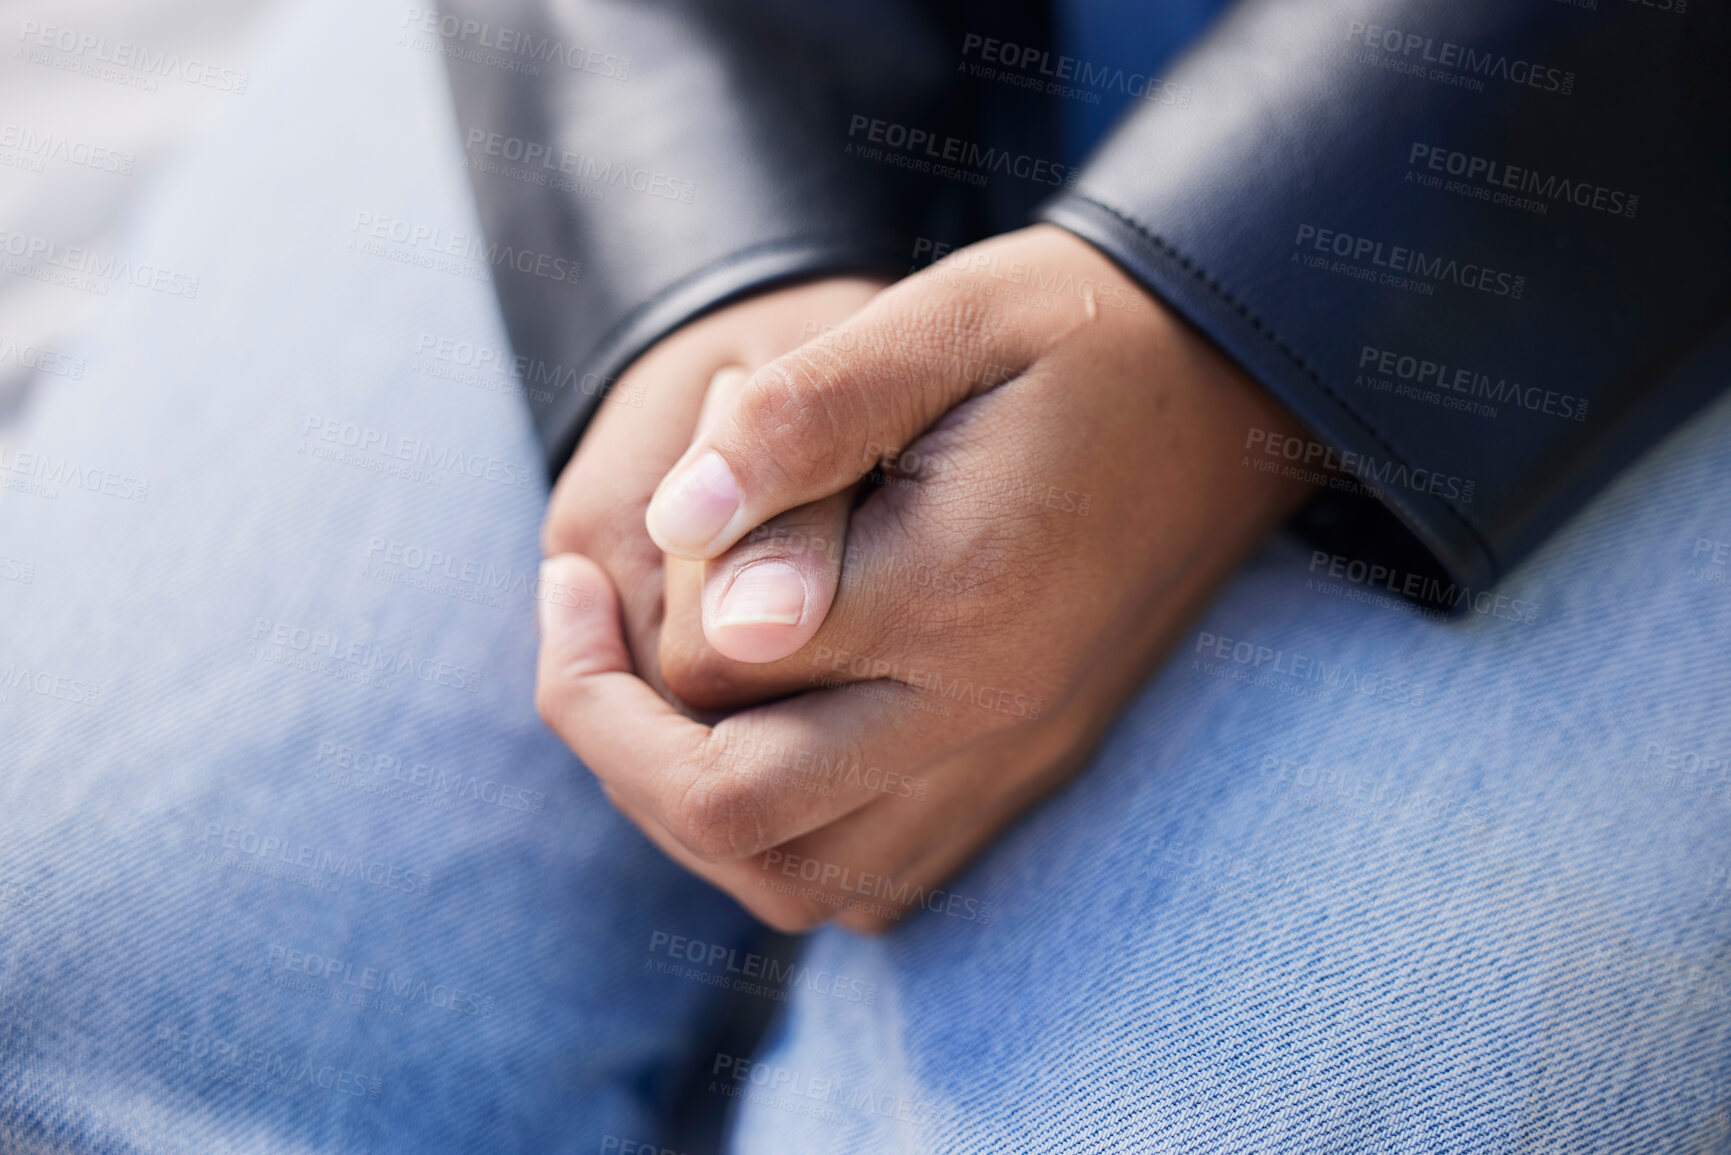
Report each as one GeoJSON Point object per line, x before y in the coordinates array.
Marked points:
{"type": "Point", "coordinates": [874, 569]}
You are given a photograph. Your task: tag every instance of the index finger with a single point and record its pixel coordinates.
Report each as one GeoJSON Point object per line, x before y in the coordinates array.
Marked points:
{"type": "Point", "coordinates": [811, 422]}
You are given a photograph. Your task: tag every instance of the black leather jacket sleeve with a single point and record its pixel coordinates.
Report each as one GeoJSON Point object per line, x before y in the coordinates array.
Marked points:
{"type": "Point", "coordinates": [1481, 249]}
{"type": "Point", "coordinates": [637, 162]}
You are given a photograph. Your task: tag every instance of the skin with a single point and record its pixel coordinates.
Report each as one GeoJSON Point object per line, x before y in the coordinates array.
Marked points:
{"type": "Point", "coordinates": [598, 504]}
{"type": "Point", "coordinates": [1066, 491]}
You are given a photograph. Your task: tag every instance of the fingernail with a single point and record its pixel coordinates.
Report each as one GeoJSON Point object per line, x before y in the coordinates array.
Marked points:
{"type": "Point", "coordinates": [690, 510]}
{"type": "Point", "coordinates": [770, 593]}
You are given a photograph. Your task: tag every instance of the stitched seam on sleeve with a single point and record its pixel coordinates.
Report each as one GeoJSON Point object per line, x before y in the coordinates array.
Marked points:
{"type": "Point", "coordinates": [1267, 333]}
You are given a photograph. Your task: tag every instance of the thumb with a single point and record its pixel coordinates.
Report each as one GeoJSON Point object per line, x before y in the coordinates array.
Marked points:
{"type": "Point", "coordinates": [810, 423]}
{"type": "Point", "coordinates": [577, 617]}
{"type": "Point", "coordinates": [767, 596]}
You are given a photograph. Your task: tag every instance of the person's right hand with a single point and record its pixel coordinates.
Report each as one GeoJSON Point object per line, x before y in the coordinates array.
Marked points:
{"type": "Point", "coordinates": [599, 501]}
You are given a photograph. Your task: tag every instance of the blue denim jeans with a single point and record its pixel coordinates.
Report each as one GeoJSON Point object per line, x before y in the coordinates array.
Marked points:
{"type": "Point", "coordinates": [1344, 879]}
{"type": "Point", "coordinates": [288, 864]}
{"type": "Point", "coordinates": [287, 860]}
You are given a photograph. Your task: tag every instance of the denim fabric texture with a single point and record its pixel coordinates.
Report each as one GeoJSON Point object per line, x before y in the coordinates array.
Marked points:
{"type": "Point", "coordinates": [1344, 879]}
{"type": "Point", "coordinates": [288, 863]}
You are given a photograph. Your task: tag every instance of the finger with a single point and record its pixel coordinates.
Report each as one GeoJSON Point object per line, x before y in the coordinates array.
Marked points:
{"type": "Point", "coordinates": [759, 603]}
{"type": "Point", "coordinates": [922, 561]}
{"type": "Point", "coordinates": [884, 863]}
{"type": "Point", "coordinates": [597, 505]}
{"type": "Point", "coordinates": [758, 778]}
{"type": "Point", "coordinates": [649, 420]}
{"type": "Point", "coordinates": [724, 386]}
{"type": "Point", "coordinates": [776, 615]}
{"type": "Point", "coordinates": [811, 422]}
{"type": "Point", "coordinates": [766, 598]}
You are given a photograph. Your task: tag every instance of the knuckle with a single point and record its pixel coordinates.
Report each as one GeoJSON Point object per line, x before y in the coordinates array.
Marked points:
{"type": "Point", "coordinates": [967, 320]}
{"type": "Point", "coordinates": [573, 517]}
{"type": "Point", "coordinates": [720, 817]}
{"type": "Point", "coordinates": [793, 411]}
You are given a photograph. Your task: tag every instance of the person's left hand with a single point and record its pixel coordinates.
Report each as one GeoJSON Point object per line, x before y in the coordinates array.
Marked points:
{"type": "Point", "coordinates": [1071, 493]}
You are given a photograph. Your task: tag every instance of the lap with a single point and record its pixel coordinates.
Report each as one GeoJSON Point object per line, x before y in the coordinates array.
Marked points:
{"type": "Point", "coordinates": [1344, 879]}
{"type": "Point", "coordinates": [287, 861]}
